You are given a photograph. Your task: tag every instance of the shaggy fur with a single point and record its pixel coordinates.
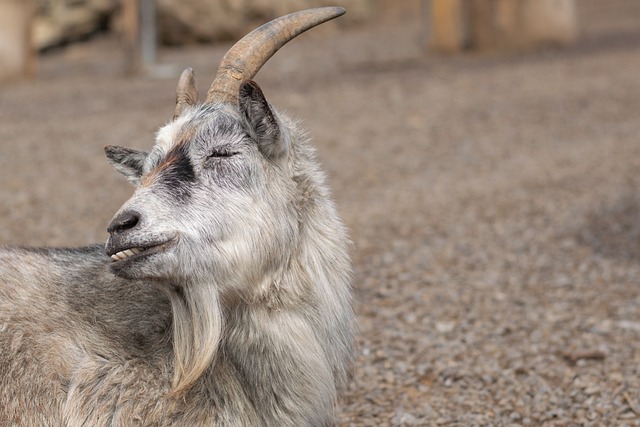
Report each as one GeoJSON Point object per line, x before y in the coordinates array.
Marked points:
{"type": "Point", "coordinates": [236, 310]}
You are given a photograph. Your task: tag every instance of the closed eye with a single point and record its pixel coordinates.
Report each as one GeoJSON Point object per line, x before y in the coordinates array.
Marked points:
{"type": "Point", "coordinates": [222, 154]}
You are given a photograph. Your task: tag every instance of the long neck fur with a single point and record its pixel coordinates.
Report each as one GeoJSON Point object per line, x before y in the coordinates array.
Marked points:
{"type": "Point", "coordinates": [288, 343]}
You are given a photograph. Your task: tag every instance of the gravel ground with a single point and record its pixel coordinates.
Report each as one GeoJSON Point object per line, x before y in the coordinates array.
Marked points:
{"type": "Point", "coordinates": [493, 202]}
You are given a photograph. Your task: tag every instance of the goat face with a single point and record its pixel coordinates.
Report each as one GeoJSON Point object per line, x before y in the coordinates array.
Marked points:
{"type": "Point", "coordinates": [215, 197]}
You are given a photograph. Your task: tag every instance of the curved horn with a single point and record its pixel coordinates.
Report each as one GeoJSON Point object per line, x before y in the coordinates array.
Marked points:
{"type": "Point", "coordinates": [186, 93]}
{"type": "Point", "coordinates": [248, 55]}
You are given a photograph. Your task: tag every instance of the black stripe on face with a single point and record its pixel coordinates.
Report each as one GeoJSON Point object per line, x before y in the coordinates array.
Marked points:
{"type": "Point", "coordinates": [176, 172]}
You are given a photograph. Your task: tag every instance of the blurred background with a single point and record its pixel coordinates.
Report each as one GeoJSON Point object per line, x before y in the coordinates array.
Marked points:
{"type": "Point", "coordinates": [32, 26]}
{"type": "Point", "coordinates": [483, 153]}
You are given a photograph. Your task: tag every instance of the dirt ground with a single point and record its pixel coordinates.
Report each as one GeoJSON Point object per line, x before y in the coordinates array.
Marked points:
{"type": "Point", "coordinates": [493, 201]}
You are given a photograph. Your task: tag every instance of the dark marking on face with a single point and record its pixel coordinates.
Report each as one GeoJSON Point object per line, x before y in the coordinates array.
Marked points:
{"type": "Point", "coordinates": [175, 173]}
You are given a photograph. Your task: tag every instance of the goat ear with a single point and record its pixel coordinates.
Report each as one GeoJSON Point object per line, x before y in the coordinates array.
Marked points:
{"type": "Point", "coordinates": [127, 161]}
{"type": "Point", "coordinates": [263, 124]}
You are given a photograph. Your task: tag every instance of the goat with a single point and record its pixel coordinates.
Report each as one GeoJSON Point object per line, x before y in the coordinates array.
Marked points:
{"type": "Point", "coordinates": [223, 294]}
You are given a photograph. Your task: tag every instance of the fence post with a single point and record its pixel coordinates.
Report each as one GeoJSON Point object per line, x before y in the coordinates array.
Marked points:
{"type": "Point", "coordinates": [501, 24]}
{"type": "Point", "coordinates": [449, 31]}
{"type": "Point", "coordinates": [131, 34]}
{"type": "Point", "coordinates": [18, 56]}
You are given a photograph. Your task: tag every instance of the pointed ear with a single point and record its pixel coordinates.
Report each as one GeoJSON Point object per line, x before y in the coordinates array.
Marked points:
{"type": "Point", "coordinates": [186, 93]}
{"type": "Point", "coordinates": [127, 161]}
{"type": "Point", "coordinates": [262, 122]}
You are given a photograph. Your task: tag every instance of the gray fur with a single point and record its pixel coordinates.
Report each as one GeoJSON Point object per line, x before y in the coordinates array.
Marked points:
{"type": "Point", "coordinates": [242, 318]}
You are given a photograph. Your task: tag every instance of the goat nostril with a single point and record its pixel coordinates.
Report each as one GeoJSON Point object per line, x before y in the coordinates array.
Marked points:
{"type": "Point", "coordinates": [124, 221]}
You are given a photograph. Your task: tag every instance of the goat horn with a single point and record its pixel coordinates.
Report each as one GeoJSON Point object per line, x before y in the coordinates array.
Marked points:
{"type": "Point", "coordinates": [243, 61]}
{"type": "Point", "coordinates": [186, 93]}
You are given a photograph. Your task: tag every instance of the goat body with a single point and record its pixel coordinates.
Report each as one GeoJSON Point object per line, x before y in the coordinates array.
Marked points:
{"type": "Point", "coordinates": [222, 296]}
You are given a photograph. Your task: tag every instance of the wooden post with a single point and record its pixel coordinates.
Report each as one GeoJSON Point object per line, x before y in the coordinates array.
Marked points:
{"type": "Point", "coordinates": [506, 16]}
{"type": "Point", "coordinates": [18, 56]}
{"type": "Point", "coordinates": [549, 21]}
{"type": "Point", "coordinates": [501, 24]}
{"type": "Point", "coordinates": [449, 32]}
{"type": "Point", "coordinates": [481, 23]}
{"type": "Point", "coordinates": [148, 32]}
{"type": "Point", "coordinates": [139, 34]}
{"type": "Point", "coordinates": [131, 34]}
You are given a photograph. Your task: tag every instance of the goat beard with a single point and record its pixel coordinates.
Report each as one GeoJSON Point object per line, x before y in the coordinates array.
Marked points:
{"type": "Point", "coordinates": [197, 330]}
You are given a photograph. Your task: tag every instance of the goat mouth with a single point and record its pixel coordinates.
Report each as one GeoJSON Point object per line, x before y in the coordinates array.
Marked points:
{"type": "Point", "coordinates": [138, 251]}
{"type": "Point", "coordinates": [126, 253]}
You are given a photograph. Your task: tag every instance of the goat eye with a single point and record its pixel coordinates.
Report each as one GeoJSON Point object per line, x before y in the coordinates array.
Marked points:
{"type": "Point", "coordinates": [221, 154]}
